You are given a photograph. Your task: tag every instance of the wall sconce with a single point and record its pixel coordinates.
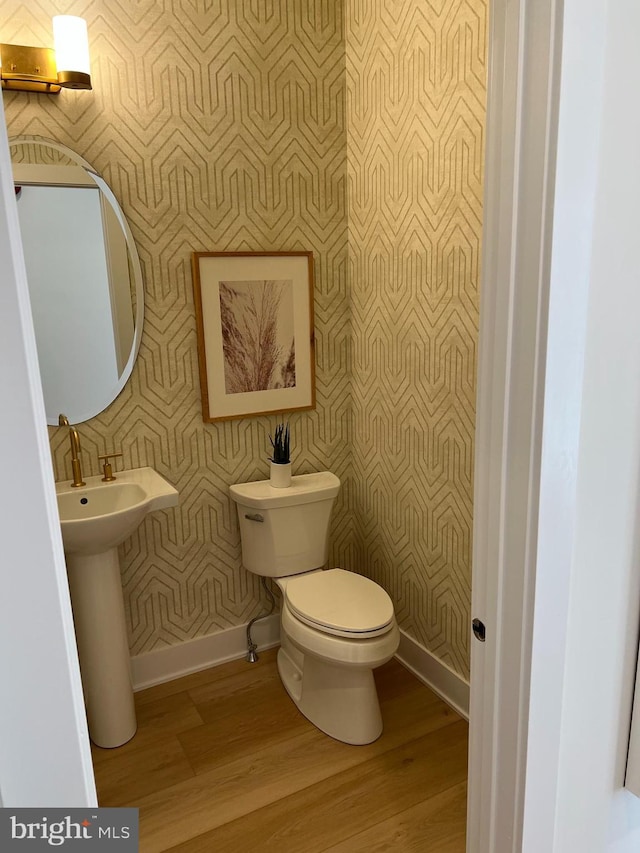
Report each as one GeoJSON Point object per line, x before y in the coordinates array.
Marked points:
{"type": "Point", "coordinates": [46, 69]}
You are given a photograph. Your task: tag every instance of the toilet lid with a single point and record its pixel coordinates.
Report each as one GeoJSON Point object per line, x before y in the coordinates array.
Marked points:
{"type": "Point", "coordinates": [340, 602]}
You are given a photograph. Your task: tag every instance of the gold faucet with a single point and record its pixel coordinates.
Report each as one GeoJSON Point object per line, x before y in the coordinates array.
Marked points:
{"type": "Point", "coordinates": [74, 438]}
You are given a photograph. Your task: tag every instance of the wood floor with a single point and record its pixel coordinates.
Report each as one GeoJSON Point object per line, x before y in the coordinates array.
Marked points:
{"type": "Point", "coordinates": [223, 762]}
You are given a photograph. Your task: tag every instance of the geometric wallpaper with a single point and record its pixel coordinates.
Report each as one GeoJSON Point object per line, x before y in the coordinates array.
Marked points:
{"type": "Point", "coordinates": [416, 115]}
{"type": "Point", "coordinates": [219, 127]}
{"type": "Point", "coordinates": [353, 130]}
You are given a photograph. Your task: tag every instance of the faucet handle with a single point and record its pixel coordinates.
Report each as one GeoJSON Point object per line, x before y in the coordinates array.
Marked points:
{"type": "Point", "coordinates": [107, 470]}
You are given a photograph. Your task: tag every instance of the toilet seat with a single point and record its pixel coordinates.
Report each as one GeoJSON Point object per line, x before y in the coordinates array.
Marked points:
{"type": "Point", "coordinates": [341, 603]}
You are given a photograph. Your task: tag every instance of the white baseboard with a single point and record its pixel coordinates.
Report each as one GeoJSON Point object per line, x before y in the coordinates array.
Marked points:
{"type": "Point", "coordinates": [193, 655]}
{"type": "Point", "coordinates": [448, 685]}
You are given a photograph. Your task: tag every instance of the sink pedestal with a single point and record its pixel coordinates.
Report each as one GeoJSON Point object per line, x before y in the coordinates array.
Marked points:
{"type": "Point", "coordinates": [103, 649]}
{"type": "Point", "coordinates": [94, 520]}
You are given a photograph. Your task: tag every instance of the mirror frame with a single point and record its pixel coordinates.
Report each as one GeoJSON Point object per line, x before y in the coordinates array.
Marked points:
{"type": "Point", "coordinates": [80, 415]}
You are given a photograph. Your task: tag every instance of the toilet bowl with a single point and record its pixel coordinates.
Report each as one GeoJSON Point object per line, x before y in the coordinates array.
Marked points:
{"type": "Point", "coordinates": [336, 626]}
{"type": "Point", "coordinates": [327, 669]}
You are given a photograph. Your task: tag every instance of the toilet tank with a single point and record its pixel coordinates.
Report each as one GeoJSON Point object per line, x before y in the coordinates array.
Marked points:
{"type": "Point", "coordinates": [286, 531]}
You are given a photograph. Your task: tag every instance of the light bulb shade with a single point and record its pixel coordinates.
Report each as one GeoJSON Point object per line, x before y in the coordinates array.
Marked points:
{"type": "Point", "coordinates": [72, 51]}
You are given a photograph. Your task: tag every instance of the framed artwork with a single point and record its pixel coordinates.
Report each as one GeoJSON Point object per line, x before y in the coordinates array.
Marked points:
{"type": "Point", "coordinates": [254, 315]}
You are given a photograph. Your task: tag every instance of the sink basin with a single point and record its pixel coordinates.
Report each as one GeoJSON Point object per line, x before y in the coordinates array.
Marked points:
{"type": "Point", "coordinates": [100, 515]}
{"type": "Point", "coordinates": [95, 519]}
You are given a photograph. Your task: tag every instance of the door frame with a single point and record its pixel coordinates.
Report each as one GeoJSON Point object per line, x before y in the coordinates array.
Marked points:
{"type": "Point", "coordinates": [522, 128]}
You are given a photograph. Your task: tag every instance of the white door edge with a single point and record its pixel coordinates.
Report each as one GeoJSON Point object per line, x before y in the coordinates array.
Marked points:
{"type": "Point", "coordinates": [45, 758]}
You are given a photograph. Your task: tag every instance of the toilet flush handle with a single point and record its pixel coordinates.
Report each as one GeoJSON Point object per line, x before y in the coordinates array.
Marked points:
{"type": "Point", "coordinates": [254, 516]}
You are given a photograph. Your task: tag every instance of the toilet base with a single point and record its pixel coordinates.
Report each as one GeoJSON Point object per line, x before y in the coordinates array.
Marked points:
{"type": "Point", "coordinates": [341, 701]}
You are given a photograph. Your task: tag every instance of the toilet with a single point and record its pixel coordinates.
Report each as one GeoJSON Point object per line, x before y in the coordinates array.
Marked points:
{"type": "Point", "coordinates": [336, 626]}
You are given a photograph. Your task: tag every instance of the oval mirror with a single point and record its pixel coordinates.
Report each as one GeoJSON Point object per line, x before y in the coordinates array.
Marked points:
{"type": "Point", "coordinates": [85, 279]}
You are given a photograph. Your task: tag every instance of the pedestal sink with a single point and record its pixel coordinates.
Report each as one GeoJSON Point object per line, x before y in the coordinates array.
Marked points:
{"type": "Point", "coordinates": [95, 519]}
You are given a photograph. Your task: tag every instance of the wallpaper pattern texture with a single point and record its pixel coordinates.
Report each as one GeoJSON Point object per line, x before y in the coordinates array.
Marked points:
{"type": "Point", "coordinates": [416, 117]}
{"type": "Point", "coordinates": [220, 127]}
{"type": "Point", "coordinates": [354, 131]}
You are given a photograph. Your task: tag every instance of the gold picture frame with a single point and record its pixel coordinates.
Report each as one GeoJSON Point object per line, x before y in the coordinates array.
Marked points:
{"type": "Point", "coordinates": [254, 317]}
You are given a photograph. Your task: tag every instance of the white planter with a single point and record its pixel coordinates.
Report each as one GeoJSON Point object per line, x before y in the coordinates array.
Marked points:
{"type": "Point", "coordinates": [280, 475]}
